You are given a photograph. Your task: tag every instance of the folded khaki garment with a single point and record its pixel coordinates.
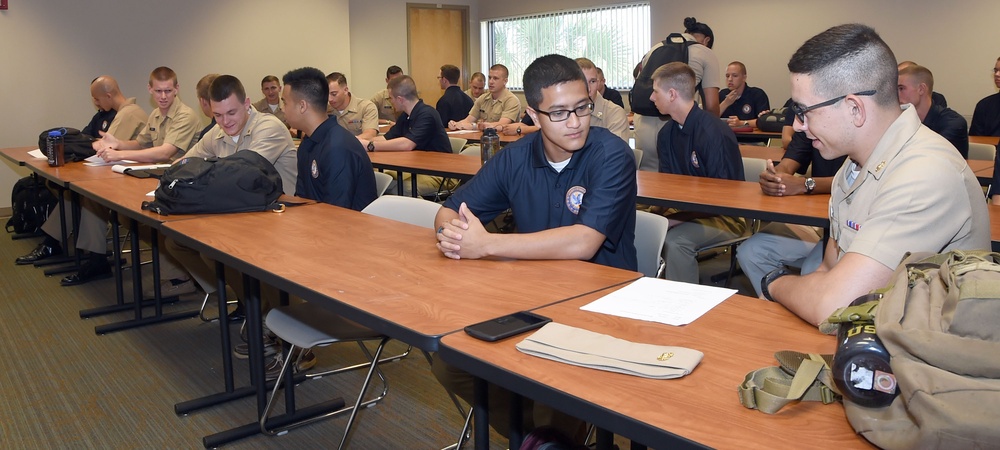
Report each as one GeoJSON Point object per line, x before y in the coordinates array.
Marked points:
{"type": "Point", "coordinates": [584, 348]}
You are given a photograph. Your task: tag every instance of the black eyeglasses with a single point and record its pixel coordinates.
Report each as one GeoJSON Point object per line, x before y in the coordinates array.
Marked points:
{"type": "Point", "coordinates": [561, 115]}
{"type": "Point", "coordinates": [800, 111]}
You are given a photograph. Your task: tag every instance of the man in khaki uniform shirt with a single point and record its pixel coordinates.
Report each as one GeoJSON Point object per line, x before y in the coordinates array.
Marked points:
{"type": "Point", "coordinates": [477, 85]}
{"type": "Point", "coordinates": [169, 132]}
{"type": "Point", "coordinates": [383, 100]}
{"type": "Point", "coordinates": [270, 86]}
{"type": "Point", "coordinates": [357, 115]}
{"type": "Point", "coordinates": [495, 108]}
{"type": "Point", "coordinates": [92, 231]}
{"type": "Point", "coordinates": [606, 114]}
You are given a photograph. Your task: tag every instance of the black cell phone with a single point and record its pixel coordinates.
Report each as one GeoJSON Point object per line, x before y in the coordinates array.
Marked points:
{"type": "Point", "coordinates": [506, 326]}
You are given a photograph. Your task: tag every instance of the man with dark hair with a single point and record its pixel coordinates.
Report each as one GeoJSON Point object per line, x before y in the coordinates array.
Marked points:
{"type": "Point", "coordinates": [356, 115]}
{"type": "Point", "coordinates": [386, 113]}
{"type": "Point", "coordinates": [693, 142]}
{"type": "Point", "coordinates": [496, 107]}
{"type": "Point", "coordinates": [271, 103]}
{"type": "Point", "coordinates": [170, 129]}
{"type": "Point", "coordinates": [332, 164]}
{"type": "Point", "coordinates": [903, 189]}
{"type": "Point", "coordinates": [477, 85]}
{"type": "Point", "coordinates": [916, 83]}
{"type": "Point", "coordinates": [418, 128]}
{"type": "Point", "coordinates": [201, 91]}
{"type": "Point", "coordinates": [587, 172]}
{"type": "Point", "coordinates": [453, 104]}
{"type": "Point", "coordinates": [611, 95]}
{"type": "Point", "coordinates": [986, 117]}
{"type": "Point", "coordinates": [740, 102]}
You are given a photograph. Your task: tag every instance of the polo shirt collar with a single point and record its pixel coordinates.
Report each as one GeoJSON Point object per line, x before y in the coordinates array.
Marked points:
{"type": "Point", "coordinates": [319, 135]}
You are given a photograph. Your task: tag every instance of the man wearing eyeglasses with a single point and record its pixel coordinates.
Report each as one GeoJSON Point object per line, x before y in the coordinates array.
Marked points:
{"type": "Point", "coordinates": [903, 189]}
{"type": "Point", "coordinates": [693, 142]}
{"type": "Point", "coordinates": [572, 188]}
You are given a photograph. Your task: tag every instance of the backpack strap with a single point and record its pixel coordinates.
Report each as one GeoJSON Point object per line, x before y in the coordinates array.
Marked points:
{"type": "Point", "coordinates": [771, 388]}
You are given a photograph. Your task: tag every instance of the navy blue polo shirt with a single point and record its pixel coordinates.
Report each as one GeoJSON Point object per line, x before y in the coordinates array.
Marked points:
{"type": "Point", "coordinates": [334, 168]}
{"type": "Point", "coordinates": [454, 105]}
{"type": "Point", "coordinates": [422, 126]}
{"type": "Point", "coordinates": [749, 105]}
{"type": "Point", "coordinates": [950, 125]}
{"type": "Point", "coordinates": [986, 118]}
{"type": "Point", "coordinates": [704, 147]}
{"type": "Point", "coordinates": [597, 189]}
{"type": "Point", "coordinates": [613, 96]}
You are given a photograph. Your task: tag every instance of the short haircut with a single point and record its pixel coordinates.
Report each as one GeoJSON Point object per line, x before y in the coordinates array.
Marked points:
{"type": "Point", "coordinates": [921, 74]}
{"type": "Point", "coordinates": [403, 86]}
{"type": "Point", "coordinates": [500, 67]}
{"type": "Point", "coordinates": [451, 73]}
{"type": "Point", "coordinates": [340, 78]}
{"type": "Point", "coordinates": [585, 64]}
{"type": "Point", "coordinates": [225, 86]}
{"type": "Point", "coordinates": [309, 84]}
{"type": "Point", "coordinates": [692, 25]}
{"type": "Point", "coordinates": [678, 76]}
{"type": "Point", "coordinates": [549, 70]}
{"type": "Point", "coordinates": [269, 79]}
{"type": "Point", "coordinates": [905, 64]}
{"type": "Point", "coordinates": [203, 84]}
{"type": "Point", "coordinates": [600, 73]}
{"type": "Point", "coordinates": [743, 67]}
{"type": "Point", "coordinates": [162, 73]}
{"type": "Point", "coordinates": [392, 70]}
{"type": "Point", "coordinates": [846, 59]}
{"type": "Point", "coordinates": [480, 76]}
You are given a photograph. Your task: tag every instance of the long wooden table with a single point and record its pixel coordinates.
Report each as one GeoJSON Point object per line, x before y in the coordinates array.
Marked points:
{"type": "Point", "coordinates": [990, 140]}
{"type": "Point", "coordinates": [700, 409]}
{"type": "Point", "coordinates": [17, 155]}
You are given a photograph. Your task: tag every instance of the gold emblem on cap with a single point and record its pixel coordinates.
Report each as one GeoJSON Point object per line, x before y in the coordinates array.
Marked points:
{"type": "Point", "coordinates": [665, 356]}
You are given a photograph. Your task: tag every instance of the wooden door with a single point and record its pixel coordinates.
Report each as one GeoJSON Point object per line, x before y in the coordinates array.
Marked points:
{"type": "Point", "coordinates": [436, 35]}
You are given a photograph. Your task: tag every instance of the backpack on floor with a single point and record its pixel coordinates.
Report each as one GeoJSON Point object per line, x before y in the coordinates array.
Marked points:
{"type": "Point", "coordinates": [244, 181]}
{"type": "Point", "coordinates": [674, 48]}
{"type": "Point", "coordinates": [937, 323]}
{"type": "Point", "coordinates": [31, 203]}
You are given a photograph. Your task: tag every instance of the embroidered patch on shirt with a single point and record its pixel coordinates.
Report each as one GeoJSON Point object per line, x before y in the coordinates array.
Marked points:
{"type": "Point", "coordinates": [694, 159]}
{"type": "Point", "coordinates": [746, 108]}
{"type": "Point", "coordinates": [315, 169]}
{"type": "Point", "coordinates": [574, 198]}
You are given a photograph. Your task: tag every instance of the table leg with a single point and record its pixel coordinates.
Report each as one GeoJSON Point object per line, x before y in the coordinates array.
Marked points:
{"type": "Point", "coordinates": [482, 414]}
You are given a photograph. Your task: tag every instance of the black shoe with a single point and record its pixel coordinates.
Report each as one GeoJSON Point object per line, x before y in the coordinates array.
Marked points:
{"type": "Point", "coordinates": [93, 269]}
{"type": "Point", "coordinates": [41, 252]}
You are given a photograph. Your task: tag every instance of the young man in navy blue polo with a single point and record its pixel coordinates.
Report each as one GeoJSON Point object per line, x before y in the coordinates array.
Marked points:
{"type": "Point", "coordinates": [694, 143]}
{"type": "Point", "coordinates": [572, 190]}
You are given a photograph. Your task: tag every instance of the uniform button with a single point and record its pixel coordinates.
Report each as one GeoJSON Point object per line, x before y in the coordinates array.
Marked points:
{"type": "Point", "coordinates": [848, 201]}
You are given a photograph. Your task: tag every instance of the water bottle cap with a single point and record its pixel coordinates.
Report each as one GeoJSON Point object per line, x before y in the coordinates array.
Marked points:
{"type": "Point", "coordinates": [490, 131]}
{"type": "Point", "coordinates": [55, 133]}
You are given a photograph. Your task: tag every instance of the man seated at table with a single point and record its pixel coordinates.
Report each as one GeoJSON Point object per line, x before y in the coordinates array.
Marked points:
{"type": "Point", "coordinates": [611, 95]}
{"type": "Point", "coordinates": [936, 97]}
{"type": "Point", "coordinates": [497, 107]}
{"type": "Point", "coordinates": [586, 172]}
{"type": "Point", "coordinates": [271, 103]}
{"type": "Point", "coordinates": [694, 143]}
{"type": "Point", "coordinates": [332, 164]}
{"type": "Point", "coordinates": [878, 212]}
{"type": "Point", "coordinates": [386, 112]}
{"type": "Point", "coordinates": [357, 115]}
{"type": "Point", "coordinates": [101, 120]}
{"type": "Point", "coordinates": [741, 103]}
{"type": "Point", "coordinates": [91, 235]}
{"type": "Point", "coordinates": [417, 128]}
{"type": "Point", "coordinates": [915, 86]}
{"type": "Point", "coordinates": [986, 117]}
{"type": "Point", "coordinates": [201, 91]}
{"type": "Point", "coordinates": [453, 104]}
{"type": "Point", "coordinates": [780, 244]}
{"type": "Point", "coordinates": [477, 85]}
{"type": "Point", "coordinates": [169, 132]}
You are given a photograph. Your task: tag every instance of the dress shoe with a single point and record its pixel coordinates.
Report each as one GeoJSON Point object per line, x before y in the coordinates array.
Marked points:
{"type": "Point", "coordinates": [92, 269]}
{"type": "Point", "coordinates": [39, 253]}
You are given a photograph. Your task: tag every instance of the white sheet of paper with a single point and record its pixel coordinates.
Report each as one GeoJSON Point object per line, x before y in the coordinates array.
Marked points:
{"type": "Point", "coordinates": [151, 193]}
{"type": "Point", "coordinates": [461, 131]}
{"type": "Point", "coordinates": [37, 154]}
{"type": "Point", "coordinates": [663, 301]}
{"type": "Point", "coordinates": [98, 161]}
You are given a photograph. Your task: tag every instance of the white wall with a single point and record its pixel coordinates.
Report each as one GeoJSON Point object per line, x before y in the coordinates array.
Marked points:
{"type": "Point", "coordinates": [52, 49]}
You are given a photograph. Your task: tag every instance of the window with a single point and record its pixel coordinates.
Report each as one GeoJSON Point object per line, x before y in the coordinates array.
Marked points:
{"type": "Point", "coordinates": [614, 37]}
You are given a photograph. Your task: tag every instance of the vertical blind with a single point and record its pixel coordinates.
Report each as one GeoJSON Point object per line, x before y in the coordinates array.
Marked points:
{"type": "Point", "coordinates": [614, 37]}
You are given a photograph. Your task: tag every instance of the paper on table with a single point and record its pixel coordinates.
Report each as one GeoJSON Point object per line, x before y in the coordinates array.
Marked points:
{"type": "Point", "coordinates": [461, 131]}
{"type": "Point", "coordinates": [37, 154]}
{"type": "Point", "coordinates": [98, 161]}
{"type": "Point", "coordinates": [118, 168]}
{"type": "Point", "coordinates": [151, 193]}
{"type": "Point", "coordinates": [663, 301]}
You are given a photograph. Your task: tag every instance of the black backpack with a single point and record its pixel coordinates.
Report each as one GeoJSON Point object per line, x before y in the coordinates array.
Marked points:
{"type": "Point", "coordinates": [244, 181]}
{"type": "Point", "coordinates": [675, 48]}
{"type": "Point", "coordinates": [76, 145]}
{"type": "Point", "coordinates": [31, 202]}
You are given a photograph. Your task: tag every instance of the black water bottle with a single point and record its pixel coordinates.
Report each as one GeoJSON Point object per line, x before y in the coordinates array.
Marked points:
{"type": "Point", "coordinates": [861, 367]}
{"type": "Point", "coordinates": [489, 144]}
{"type": "Point", "coordinates": [54, 148]}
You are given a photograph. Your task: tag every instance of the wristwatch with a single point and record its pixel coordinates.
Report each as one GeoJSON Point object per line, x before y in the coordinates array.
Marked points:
{"type": "Point", "coordinates": [769, 278]}
{"type": "Point", "coordinates": [746, 123]}
{"type": "Point", "coordinates": [810, 185]}
{"type": "Point", "coordinates": [518, 130]}
{"type": "Point", "coordinates": [371, 146]}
